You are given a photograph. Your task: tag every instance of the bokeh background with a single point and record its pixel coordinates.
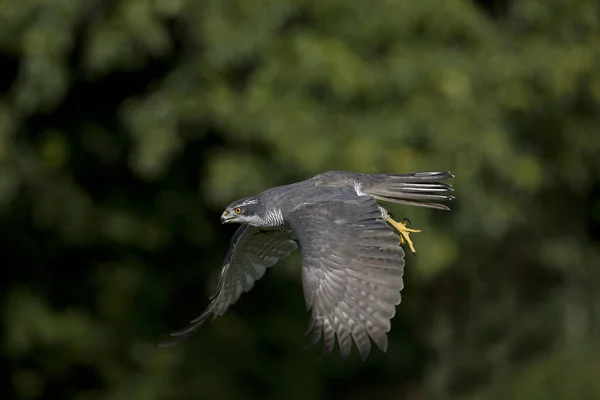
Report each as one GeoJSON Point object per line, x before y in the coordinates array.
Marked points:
{"type": "Point", "coordinates": [127, 126]}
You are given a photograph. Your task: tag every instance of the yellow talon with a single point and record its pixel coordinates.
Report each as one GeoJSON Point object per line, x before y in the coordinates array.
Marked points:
{"type": "Point", "coordinates": [404, 232]}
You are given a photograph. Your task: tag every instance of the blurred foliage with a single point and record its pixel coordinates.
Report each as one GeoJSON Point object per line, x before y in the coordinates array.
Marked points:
{"type": "Point", "coordinates": [126, 126]}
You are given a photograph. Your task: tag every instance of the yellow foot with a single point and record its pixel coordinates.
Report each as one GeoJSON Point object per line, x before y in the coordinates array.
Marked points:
{"type": "Point", "coordinates": [405, 232]}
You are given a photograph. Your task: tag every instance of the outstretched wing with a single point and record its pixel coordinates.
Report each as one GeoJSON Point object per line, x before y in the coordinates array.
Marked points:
{"type": "Point", "coordinates": [352, 270]}
{"type": "Point", "coordinates": [251, 252]}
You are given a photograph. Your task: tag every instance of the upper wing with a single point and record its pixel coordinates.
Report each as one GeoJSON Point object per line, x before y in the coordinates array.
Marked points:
{"type": "Point", "coordinates": [251, 252]}
{"type": "Point", "coordinates": [352, 271]}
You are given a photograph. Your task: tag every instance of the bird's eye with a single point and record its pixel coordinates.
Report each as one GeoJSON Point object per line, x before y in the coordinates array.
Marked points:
{"type": "Point", "coordinates": [237, 210]}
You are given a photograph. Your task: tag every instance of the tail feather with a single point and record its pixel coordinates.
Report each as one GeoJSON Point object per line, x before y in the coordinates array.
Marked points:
{"type": "Point", "coordinates": [419, 189]}
{"type": "Point", "coordinates": [418, 177]}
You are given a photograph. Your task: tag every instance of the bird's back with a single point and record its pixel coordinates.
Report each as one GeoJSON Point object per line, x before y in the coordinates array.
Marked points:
{"type": "Point", "coordinates": [421, 189]}
{"type": "Point", "coordinates": [317, 188]}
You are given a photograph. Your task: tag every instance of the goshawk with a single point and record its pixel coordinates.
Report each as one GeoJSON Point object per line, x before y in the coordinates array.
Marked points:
{"type": "Point", "coordinates": [351, 248]}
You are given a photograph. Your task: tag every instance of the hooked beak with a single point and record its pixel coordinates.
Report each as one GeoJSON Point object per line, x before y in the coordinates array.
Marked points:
{"type": "Point", "coordinates": [226, 217]}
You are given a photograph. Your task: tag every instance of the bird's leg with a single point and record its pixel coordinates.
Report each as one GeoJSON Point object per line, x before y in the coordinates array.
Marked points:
{"type": "Point", "coordinates": [404, 232]}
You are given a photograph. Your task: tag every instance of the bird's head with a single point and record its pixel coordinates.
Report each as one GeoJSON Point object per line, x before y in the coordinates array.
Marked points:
{"type": "Point", "coordinates": [244, 211]}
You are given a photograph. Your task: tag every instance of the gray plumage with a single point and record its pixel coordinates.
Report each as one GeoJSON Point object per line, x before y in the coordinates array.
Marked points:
{"type": "Point", "coordinates": [352, 261]}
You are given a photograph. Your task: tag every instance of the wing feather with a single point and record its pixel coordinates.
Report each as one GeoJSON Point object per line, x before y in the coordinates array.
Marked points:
{"type": "Point", "coordinates": [352, 270]}
{"type": "Point", "coordinates": [251, 251]}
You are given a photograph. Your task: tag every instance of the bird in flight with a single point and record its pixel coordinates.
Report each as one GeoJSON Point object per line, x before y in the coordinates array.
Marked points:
{"type": "Point", "coordinates": [351, 249]}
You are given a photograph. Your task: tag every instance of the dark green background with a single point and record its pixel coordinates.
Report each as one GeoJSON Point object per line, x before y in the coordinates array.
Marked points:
{"type": "Point", "coordinates": [127, 126]}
